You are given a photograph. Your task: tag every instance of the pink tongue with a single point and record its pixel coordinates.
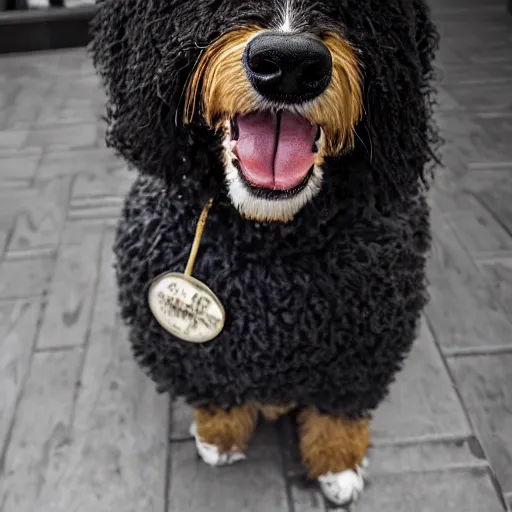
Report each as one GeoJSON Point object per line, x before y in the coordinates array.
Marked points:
{"type": "Point", "coordinates": [268, 163]}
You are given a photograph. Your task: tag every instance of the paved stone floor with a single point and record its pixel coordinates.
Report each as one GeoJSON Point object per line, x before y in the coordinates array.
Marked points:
{"type": "Point", "coordinates": [68, 3]}
{"type": "Point", "coordinates": [82, 430]}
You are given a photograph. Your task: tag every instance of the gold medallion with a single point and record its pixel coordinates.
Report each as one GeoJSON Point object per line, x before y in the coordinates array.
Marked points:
{"type": "Point", "coordinates": [184, 306]}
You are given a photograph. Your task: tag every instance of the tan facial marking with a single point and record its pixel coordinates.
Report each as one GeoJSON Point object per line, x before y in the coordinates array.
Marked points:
{"type": "Point", "coordinates": [224, 91]}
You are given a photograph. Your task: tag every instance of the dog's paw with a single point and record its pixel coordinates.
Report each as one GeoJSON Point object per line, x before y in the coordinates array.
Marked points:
{"type": "Point", "coordinates": [211, 454]}
{"type": "Point", "coordinates": [345, 487]}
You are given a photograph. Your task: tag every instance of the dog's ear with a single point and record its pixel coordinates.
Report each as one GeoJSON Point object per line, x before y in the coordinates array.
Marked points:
{"type": "Point", "coordinates": [141, 53]}
{"type": "Point", "coordinates": [399, 99]}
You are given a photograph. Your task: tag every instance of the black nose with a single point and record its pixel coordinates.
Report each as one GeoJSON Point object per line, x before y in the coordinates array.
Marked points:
{"type": "Point", "coordinates": [288, 68]}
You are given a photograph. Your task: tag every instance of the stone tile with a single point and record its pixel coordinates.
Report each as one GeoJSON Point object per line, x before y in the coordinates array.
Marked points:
{"type": "Point", "coordinates": [289, 441]}
{"type": "Point", "coordinates": [64, 137]}
{"type": "Point", "coordinates": [14, 185]}
{"type": "Point", "coordinates": [21, 117]}
{"type": "Point", "coordinates": [425, 457]}
{"type": "Point", "coordinates": [422, 403]}
{"type": "Point", "coordinates": [75, 231]}
{"type": "Point", "coordinates": [445, 194]}
{"type": "Point", "coordinates": [498, 131]}
{"type": "Point", "coordinates": [464, 41]}
{"type": "Point", "coordinates": [8, 92]}
{"type": "Point", "coordinates": [39, 226]}
{"type": "Point", "coordinates": [25, 278]}
{"type": "Point", "coordinates": [467, 141]}
{"type": "Point", "coordinates": [265, 443]}
{"type": "Point", "coordinates": [34, 84]}
{"type": "Point", "coordinates": [19, 168]}
{"type": "Point", "coordinates": [66, 113]}
{"type": "Point", "coordinates": [498, 56]}
{"type": "Point", "coordinates": [493, 188]}
{"type": "Point", "coordinates": [449, 491]}
{"type": "Point", "coordinates": [491, 166]}
{"type": "Point", "coordinates": [498, 274]}
{"type": "Point", "coordinates": [86, 85]}
{"type": "Point", "coordinates": [459, 13]}
{"type": "Point", "coordinates": [306, 497]}
{"type": "Point", "coordinates": [100, 195]}
{"type": "Point", "coordinates": [18, 327]}
{"type": "Point", "coordinates": [116, 459]}
{"type": "Point", "coordinates": [469, 74]}
{"type": "Point", "coordinates": [71, 294]}
{"type": "Point", "coordinates": [463, 312]}
{"type": "Point", "coordinates": [51, 100]}
{"type": "Point", "coordinates": [450, 57]}
{"type": "Point", "coordinates": [182, 417]}
{"type": "Point", "coordinates": [41, 429]}
{"type": "Point", "coordinates": [19, 152]}
{"type": "Point", "coordinates": [80, 161]}
{"type": "Point", "coordinates": [446, 101]}
{"type": "Point", "coordinates": [115, 184]}
{"type": "Point", "coordinates": [477, 230]}
{"type": "Point", "coordinates": [13, 138]}
{"type": "Point", "coordinates": [4, 235]}
{"type": "Point", "coordinates": [488, 180]}
{"type": "Point", "coordinates": [485, 385]}
{"type": "Point", "coordinates": [95, 208]}
{"type": "Point", "coordinates": [256, 486]}
{"type": "Point", "coordinates": [105, 307]}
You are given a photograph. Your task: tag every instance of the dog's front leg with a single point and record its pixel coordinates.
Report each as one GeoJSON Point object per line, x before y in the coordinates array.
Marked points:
{"type": "Point", "coordinates": [333, 449]}
{"type": "Point", "coordinates": [222, 436]}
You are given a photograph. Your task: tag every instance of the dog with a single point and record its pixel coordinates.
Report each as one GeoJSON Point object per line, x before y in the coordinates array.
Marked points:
{"type": "Point", "coordinates": [306, 128]}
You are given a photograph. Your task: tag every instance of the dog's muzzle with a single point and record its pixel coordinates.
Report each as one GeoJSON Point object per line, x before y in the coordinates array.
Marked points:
{"type": "Point", "coordinates": [282, 102]}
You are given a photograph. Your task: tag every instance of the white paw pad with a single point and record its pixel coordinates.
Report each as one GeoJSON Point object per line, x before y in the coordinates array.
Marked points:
{"type": "Point", "coordinates": [211, 454]}
{"type": "Point", "coordinates": [344, 487]}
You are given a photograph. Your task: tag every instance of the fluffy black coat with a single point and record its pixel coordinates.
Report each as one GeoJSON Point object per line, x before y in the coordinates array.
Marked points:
{"type": "Point", "coordinates": [320, 311]}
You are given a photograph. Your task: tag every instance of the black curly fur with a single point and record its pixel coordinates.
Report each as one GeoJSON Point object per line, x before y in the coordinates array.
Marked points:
{"type": "Point", "coordinates": [323, 310]}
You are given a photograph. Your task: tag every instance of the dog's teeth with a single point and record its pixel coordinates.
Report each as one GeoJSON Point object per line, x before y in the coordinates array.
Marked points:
{"type": "Point", "coordinates": [232, 145]}
{"type": "Point", "coordinates": [318, 134]}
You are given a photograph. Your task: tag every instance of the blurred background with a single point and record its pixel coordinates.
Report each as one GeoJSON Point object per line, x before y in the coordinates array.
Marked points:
{"type": "Point", "coordinates": [81, 429]}
{"type": "Point", "coordinates": [11, 5]}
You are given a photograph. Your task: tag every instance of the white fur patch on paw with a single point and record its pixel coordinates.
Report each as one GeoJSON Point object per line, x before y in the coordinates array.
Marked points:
{"type": "Point", "coordinates": [211, 454]}
{"type": "Point", "coordinates": [342, 488]}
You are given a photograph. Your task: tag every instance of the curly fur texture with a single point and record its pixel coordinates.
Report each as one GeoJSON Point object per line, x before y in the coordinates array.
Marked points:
{"type": "Point", "coordinates": [321, 311]}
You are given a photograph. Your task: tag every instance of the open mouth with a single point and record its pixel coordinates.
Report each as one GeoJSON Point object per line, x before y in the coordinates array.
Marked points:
{"type": "Point", "coordinates": [276, 151]}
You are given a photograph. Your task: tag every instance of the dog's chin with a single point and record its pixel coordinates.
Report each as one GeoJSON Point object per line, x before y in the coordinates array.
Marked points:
{"type": "Point", "coordinates": [272, 164]}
